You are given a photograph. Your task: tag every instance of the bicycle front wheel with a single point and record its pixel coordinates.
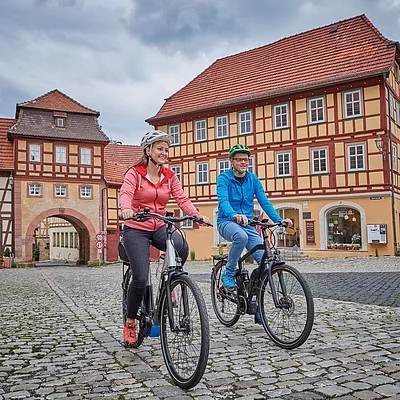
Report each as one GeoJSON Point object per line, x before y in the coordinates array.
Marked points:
{"type": "Point", "coordinates": [185, 348]}
{"type": "Point", "coordinates": [290, 322]}
{"type": "Point", "coordinates": [224, 303]}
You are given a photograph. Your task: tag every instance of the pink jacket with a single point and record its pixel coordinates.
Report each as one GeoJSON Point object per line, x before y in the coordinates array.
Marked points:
{"type": "Point", "coordinates": [138, 192]}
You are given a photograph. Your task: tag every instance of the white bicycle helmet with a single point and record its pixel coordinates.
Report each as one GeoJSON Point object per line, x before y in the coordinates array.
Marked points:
{"type": "Point", "coordinates": [154, 136]}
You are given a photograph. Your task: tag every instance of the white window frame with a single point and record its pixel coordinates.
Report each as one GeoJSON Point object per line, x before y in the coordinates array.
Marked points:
{"type": "Point", "coordinates": [394, 157]}
{"type": "Point", "coordinates": [61, 154]}
{"type": "Point", "coordinates": [281, 111]}
{"type": "Point", "coordinates": [315, 109]}
{"type": "Point", "coordinates": [223, 165]}
{"type": "Point", "coordinates": [245, 122]}
{"type": "Point", "coordinates": [316, 157]}
{"type": "Point", "coordinates": [221, 126]}
{"type": "Point", "coordinates": [174, 132]}
{"type": "Point", "coordinates": [352, 102]}
{"type": "Point", "coordinates": [391, 105]}
{"type": "Point", "coordinates": [60, 122]}
{"type": "Point", "coordinates": [35, 189]}
{"type": "Point", "coordinates": [200, 127]}
{"type": "Point", "coordinates": [85, 192]}
{"type": "Point", "coordinates": [397, 113]}
{"type": "Point", "coordinates": [357, 147]}
{"type": "Point", "coordinates": [86, 156]}
{"type": "Point", "coordinates": [251, 164]}
{"type": "Point", "coordinates": [202, 173]}
{"type": "Point", "coordinates": [60, 191]}
{"type": "Point", "coordinates": [34, 152]}
{"type": "Point", "coordinates": [284, 159]}
{"type": "Point", "coordinates": [188, 224]}
{"type": "Point", "coordinates": [177, 169]}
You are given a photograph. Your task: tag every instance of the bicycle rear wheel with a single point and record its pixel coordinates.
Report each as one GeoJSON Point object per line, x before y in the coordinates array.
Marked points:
{"type": "Point", "coordinates": [185, 348]}
{"type": "Point", "coordinates": [289, 324]}
{"type": "Point", "coordinates": [140, 320]}
{"type": "Point", "coordinates": [224, 303]}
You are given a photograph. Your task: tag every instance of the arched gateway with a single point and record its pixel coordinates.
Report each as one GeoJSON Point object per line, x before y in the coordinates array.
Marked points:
{"type": "Point", "coordinates": [84, 227]}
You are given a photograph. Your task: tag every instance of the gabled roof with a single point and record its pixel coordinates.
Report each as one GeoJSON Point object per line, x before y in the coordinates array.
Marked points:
{"type": "Point", "coordinates": [6, 147]}
{"type": "Point", "coordinates": [117, 160]}
{"type": "Point", "coordinates": [339, 52]}
{"type": "Point", "coordinates": [56, 101]}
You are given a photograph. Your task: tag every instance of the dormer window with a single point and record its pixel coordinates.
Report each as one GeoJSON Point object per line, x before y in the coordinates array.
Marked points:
{"type": "Point", "coordinates": [60, 122]}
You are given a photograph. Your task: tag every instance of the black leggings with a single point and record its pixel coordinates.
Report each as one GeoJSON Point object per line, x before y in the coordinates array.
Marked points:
{"type": "Point", "coordinates": [137, 246]}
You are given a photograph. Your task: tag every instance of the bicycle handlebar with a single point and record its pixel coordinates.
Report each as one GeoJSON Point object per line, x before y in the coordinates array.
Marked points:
{"type": "Point", "coordinates": [267, 225]}
{"type": "Point", "coordinates": [144, 215]}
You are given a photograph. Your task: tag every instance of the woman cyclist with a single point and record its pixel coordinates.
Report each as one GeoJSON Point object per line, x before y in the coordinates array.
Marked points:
{"type": "Point", "coordinates": [149, 184]}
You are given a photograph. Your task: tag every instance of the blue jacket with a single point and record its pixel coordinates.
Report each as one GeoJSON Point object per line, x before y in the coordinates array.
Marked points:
{"type": "Point", "coordinates": [234, 198]}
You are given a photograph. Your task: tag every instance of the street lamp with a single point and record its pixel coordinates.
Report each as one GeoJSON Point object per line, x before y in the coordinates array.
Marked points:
{"type": "Point", "coordinates": [379, 146]}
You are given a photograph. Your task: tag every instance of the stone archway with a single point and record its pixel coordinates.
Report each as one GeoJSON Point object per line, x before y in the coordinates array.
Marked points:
{"type": "Point", "coordinates": [84, 227]}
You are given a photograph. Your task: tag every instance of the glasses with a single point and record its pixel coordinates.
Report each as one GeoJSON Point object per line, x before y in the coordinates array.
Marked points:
{"type": "Point", "coordinates": [244, 160]}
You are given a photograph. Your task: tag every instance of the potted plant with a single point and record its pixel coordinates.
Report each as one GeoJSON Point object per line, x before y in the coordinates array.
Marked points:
{"type": "Point", "coordinates": [7, 258]}
{"type": "Point", "coordinates": [1, 262]}
{"type": "Point", "coordinates": [36, 253]}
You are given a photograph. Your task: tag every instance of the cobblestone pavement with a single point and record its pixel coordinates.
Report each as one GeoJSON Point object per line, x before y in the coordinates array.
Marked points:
{"type": "Point", "coordinates": [61, 331]}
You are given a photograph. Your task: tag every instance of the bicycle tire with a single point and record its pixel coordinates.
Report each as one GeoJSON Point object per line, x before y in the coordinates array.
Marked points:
{"type": "Point", "coordinates": [185, 352]}
{"type": "Point", "coordinates": [290, 325]}
{"type": "Point", "coordinates": [224, 303]}
{"type": "Point", "coordinates": [138, 323]}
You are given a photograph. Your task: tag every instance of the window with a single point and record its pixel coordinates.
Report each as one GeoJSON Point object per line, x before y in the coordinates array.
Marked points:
{"type": "Point", "coordinates": [319, 161]}
{"type": "Point", "coordinates": [344, 229]}
{"type": "Point", "coordinates": [71, 240]}
{"type": "Point", "coordinates": [223, 165]}
{"type": "Point", "coordinates": [61, 154]}
{"type": "Point", "coordinates": [60, 191]}
{"type": "Point", "coordinates": [202, 173]}
{"type": "Point", "coordinates": [186, 224]}
{"type": "Point", "coordinates": [245, 123]}
{"type": "Point", "coordinates": [173, 131]}
{"type": "Point", "coordinates": [281, 116]}
{"type": "Point", "coordinates": [34, 189]}
{"type": "Point", "coordinates": [394, 155]}
{"type": "Point", "coordinates": [283, 164]}
{"type": "Point", "coordinates": [397, 113]}
{"type": "Point", "coordinates": [34, 152]}
{"type": "Point", "coordinates": [396, 70]}
{"type": "Point", "coordinates": [60, 122]}
{"type": "Point", "coordinates": [200, 130]}
{"type": "Point", "coordinates": [316, 108]}
{"type": "Point", "coordinates": [355, 154]}
{"type": "Point", "coordinates": [221, 124]}
{"type": "Point", "coordinates": [352, 104]}
{"type": "Point", "coordinates": [250, 168]}
{"type": "Point", "coordinates": [391, 105]}
{"type": "Point", "coordinates": [66, 239]}
{"type": "Point", "coordinates": [178, 171]}
{"type": "Point", "coordinates": [86, 192]}
{"type": "Point", "coordinates": [86, 156]}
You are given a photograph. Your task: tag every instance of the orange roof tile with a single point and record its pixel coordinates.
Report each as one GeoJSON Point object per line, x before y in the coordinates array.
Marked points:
{"type": "Point", "coordinates": [338, 52]}
{"type": "Point", "coordinates": [6, 147]}
{"type": "Point", "coordinates": [118, 159]}
{"type": "Point", "coordinates": [56, 101]}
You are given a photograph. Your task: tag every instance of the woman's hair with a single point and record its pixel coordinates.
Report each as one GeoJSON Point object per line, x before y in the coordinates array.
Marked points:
{"type": "Point", "coordinates": [144, 160]}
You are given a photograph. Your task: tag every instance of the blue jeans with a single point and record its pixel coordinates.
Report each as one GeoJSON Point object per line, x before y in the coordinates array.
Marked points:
{"type": "Point", "coordinates": [241, 237]}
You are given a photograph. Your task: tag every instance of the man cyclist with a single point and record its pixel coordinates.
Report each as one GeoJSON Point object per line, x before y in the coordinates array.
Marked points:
{"type": "Point", "coordinates": [236, 190]}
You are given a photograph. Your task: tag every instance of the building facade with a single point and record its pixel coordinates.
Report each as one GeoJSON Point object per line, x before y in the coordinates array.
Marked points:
{"type": "Point", "coordinates": [320, 112]}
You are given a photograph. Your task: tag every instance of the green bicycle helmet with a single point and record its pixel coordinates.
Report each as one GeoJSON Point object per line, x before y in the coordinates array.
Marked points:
{"type": "Point", "coordinates": [239, 148]}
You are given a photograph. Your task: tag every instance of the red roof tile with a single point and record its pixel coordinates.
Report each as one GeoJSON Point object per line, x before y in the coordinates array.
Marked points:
{"type": "Point", "coordinates": [56, 101]}
{"type": "Point", "coordinates": [338, 52]}
{"type": "Point", "coordinates": [6, 147]}
{"type": "Point", "coordinates": [118, 159]}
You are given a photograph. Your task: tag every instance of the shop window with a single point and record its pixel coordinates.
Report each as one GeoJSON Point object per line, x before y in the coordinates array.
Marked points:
{"type": "Point", "coordinates": [344, 229]}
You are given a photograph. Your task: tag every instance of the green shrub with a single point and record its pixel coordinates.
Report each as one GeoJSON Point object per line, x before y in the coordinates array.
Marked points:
{"type": "Point", "coordinates": [192, 255]}
{"type": "Point", "coordinates": [7, 252]}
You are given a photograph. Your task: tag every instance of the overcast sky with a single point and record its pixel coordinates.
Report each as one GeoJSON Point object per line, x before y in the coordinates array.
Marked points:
{"type": "Point", "coordinates": [124, 57]}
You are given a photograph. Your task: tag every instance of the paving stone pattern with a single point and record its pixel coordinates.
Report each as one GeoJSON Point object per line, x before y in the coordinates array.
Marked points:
{"type": "Point", "coordinates": [61, 332]}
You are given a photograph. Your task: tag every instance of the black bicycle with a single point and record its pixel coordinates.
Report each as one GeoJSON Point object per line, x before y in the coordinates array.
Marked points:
{"type": "Point", "coordinates": [276, 292]}
{"type": "Point", "coordinates": [179, 309]}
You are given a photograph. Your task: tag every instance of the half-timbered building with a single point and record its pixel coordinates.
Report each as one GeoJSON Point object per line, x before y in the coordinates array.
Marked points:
{"type": "Point", "coordinates": [320, 111]}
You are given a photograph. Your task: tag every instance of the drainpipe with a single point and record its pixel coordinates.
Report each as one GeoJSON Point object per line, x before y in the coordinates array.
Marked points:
{"type": "Point", "coordinates": [391, 168]}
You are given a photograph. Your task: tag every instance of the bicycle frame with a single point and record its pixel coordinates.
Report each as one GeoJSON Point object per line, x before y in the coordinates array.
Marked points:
{"type": "Point", "coordinates": [267, 259]}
